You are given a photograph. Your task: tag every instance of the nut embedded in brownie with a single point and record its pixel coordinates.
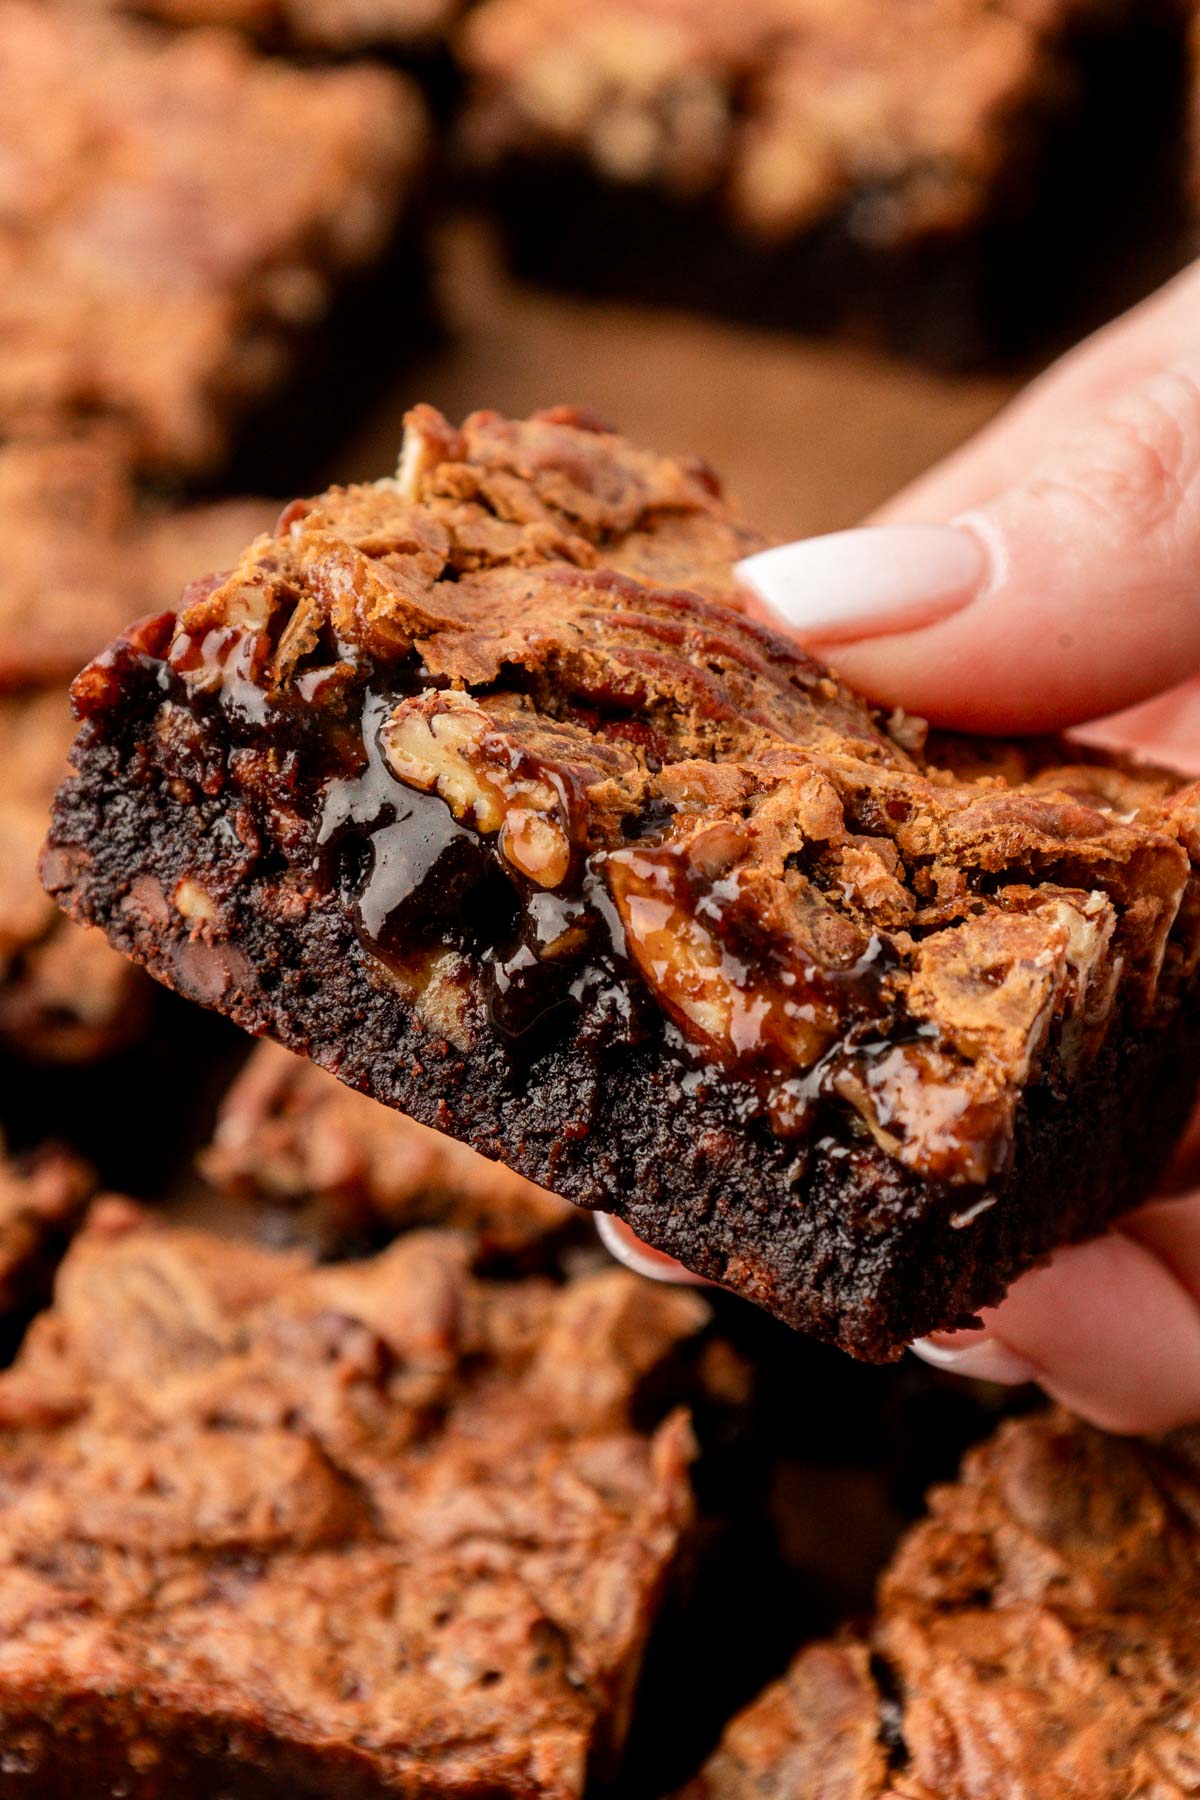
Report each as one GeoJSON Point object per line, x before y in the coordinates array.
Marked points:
{"type": "Point", "coordinates": [1036, 1635]}
{"type": "Point", "coordinates": [804, 163]}
{"type": "Point", "coordinates": [374, 1528]}
{"type": "Point", "coordinates": [179, 214]}
{"type": "Point", "coordinates": [289, 1135]}
{"type": "Point", "coordinates": [81, 557]}
{"type": "Point", "coordinates": [473, 786]}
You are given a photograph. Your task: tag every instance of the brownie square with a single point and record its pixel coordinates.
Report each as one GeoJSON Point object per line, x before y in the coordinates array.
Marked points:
{"type": "Point", "coordinates": [807, 164]}
{"type": "Point", "coordinates": [474, 786]}
{"type": "Point", "coordinates": [1036, 1635]}
{"type": "Point", "coordinates": [178, 213]}
{"type": "Point", "coordinates": [369, 1529]}
{"type": "Point", "coordinates": [82, 556]}
{"type": "Point", "coordinates": [289, 1135]}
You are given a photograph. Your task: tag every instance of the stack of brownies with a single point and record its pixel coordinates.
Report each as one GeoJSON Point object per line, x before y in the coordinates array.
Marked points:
{"type": "Point", "coordinates": [342, 1463]}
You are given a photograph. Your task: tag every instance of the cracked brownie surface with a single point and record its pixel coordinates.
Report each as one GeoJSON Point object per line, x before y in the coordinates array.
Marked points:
{"type": "Point", "coordinates": [475, 786]}
{"type": "Point", "coordinates": [177, 210]}
{"type": "Point", "coordinates": [1036, 1635]}
{"type": "Point", "coordinates": [290, 1134]}
{"type": "Point", "coordinates": [372, 1528]}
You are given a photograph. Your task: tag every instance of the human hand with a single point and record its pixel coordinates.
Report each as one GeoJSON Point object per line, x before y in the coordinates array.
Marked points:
{"type": "Point", "coordinates": [1046, 576]}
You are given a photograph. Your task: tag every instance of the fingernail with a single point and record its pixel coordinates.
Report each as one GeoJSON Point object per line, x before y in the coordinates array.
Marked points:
{"type": "Point", "coordinates": [629, 1249]}
{"type": "Point", "coordinates": [854, 584]}
{"type": "Point", "coordinates": [982, 1358]}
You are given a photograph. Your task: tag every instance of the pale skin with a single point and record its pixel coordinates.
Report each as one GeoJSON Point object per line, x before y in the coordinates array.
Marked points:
{"type": "Point", "coordinates": [1060, 587]}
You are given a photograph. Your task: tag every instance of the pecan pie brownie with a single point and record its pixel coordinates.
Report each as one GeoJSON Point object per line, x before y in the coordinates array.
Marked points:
{"type": "Point", "coordinates": [178, 212]}
{"type": "Point", "coordinates": [289, 1134]}
{"type": "Point", "coordinates": [1036, 1635]}
{"type": "Point", "coordinates": [375, 1528]}
{"type": "Point", "coordinates": [474, 786]}
{"type": "Point", "coordinates": [805, 162]}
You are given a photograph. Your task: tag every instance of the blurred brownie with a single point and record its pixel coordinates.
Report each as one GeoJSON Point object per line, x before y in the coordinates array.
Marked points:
{"type": "Point", "coordinates": [1036, 1635]}
{"type": "Point", "coordinates": [801, 162]}
{"type": "Point", "coordinates": [473, 786]}
{"type": "Point", "coordinates": [65, 996]}
{"type": "Point", "coordinates": [178, 211]}
{"type": "Point", "coordinates": [42, 1197]}
{"type": "Point", "coordinates": [82, 558]}
{"type": "Point", "coordinates": [289, 1134]}
{"type": "Point", "coordinates": [371, 1529]}
{"type": "Point", "coordinates": [337, 25]}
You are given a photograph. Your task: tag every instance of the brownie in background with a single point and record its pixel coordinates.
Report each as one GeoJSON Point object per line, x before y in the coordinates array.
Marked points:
{"type": "Point", "coordinates": [180, 216]}
{"type": "Point", "coordinates": [1036, 1635]}
{"type": "Point", "coordinates": [950, 171]}
{"type": "Point", "coordinates": [290, 1136]}
{"type": "Point", "coordinates": [372, 1528]}
{"type": "Point", "coordinates": [43, 1194]}
{"type": "Point", "coordinates": [409, 27]}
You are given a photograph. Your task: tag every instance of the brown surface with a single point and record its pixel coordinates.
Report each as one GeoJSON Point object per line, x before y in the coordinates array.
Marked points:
{"type": "Point", "coordinates": [366, 1527]}
{"type": "Point", "coordinates": [340, 25]}
{"type": "Point", "coordinates": [811, 434]}
{"type": "Point", "coordinates": [82, 559]}
{"type": "Point", "coordinates": [176, 210]}
{"type": "Point", "coordinates": [1037, 1636]}
{"type": "Point", "coordinates": [289, 1134]}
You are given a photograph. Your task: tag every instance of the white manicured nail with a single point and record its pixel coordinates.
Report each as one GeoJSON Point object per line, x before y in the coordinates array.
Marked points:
{"type": "Point", "coordinates": [882, 578]}
{"type": "Point", "coordinates": [620, 1242]}
{"type": "Point", "coordinates": [983, 1359]}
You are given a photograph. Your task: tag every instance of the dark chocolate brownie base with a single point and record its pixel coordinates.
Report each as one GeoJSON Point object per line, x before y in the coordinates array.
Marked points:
{"type": "Point", "coordinates": [705, 1188]}
{"type": "Point", "coordinates": [1037, 267]}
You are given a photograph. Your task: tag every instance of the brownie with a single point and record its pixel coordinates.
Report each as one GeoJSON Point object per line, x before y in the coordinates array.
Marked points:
{"type": "Point", "coordinates": [179, 212]}
{"type": "Point", "coordinates": [65, 996]}
{"type": "Point", "coordinates": [289, 1135]}
{"type": "Point", "coordinates": [375, 1528]}
{"type": "Point", "coordinates": [83, 557]}
{"type": "Point", "coordinates": [808, 164]}
{"type": "Point", "coordinates": [474, 786]}
{"type": "Point", "coordinates": [1036, 1635]}
{"type": "Point", "coordinates": [43, 1193]}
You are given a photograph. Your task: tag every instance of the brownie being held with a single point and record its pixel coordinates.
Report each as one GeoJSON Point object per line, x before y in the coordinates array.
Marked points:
{"type": "Point", "coordinates": [474, 786]}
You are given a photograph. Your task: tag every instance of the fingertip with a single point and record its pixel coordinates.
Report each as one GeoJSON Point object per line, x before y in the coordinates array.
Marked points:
{"type": "Point", "coordinates": [629, 1250]}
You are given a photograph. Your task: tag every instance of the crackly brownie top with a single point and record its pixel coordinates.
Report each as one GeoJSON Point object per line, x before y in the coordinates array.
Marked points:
{"type": "Point", "coordinates": [81, 557]}
{"type": "Point", "coordinates": [616, 797]}
{"type": "Point", "coordinates": [785, 110]}
{"type": "Point", "coordinates": [172, 205]}
{"type": "Point", "coordinates": [380, 1504]}
{"type": "Point", "coordinates": [1037, 1635]}
{"type": "Point", "coordinates": [288, 1132]}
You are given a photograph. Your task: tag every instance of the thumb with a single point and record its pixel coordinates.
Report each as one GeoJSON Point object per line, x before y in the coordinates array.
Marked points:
{"type": "Point", "coordinates": [1072, 593]}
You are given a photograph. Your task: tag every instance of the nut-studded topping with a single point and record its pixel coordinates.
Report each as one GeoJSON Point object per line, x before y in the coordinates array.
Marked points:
{"type": "Point", "coordinates": [445, 743]}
